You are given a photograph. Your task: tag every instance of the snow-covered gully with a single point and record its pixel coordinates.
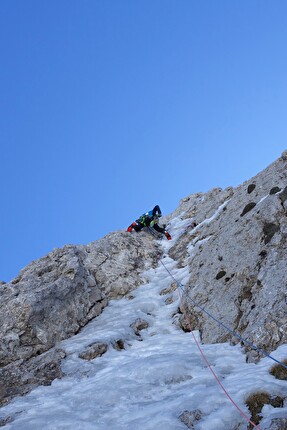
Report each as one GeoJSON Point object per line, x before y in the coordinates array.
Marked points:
{"type": "Point", "coordinates": [154, 378]}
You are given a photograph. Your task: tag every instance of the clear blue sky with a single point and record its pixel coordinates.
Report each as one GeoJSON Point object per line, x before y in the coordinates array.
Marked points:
{"type": "Point", "coordinates": [109, 107]}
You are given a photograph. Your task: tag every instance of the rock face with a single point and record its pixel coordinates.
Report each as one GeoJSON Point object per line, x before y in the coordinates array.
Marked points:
{"type": "Point", "coordinates": [93, 351]}
{"type": "Point", "coordinates": [50, 300]}
{"type": "Point", "coordinates": [55, 296]}
{"type": "Point", "coordinates": [22, 376]}
{"type": "Point", "coordinates": [234, 245]}
{"type": "Point", "coordinates": [235, 248]}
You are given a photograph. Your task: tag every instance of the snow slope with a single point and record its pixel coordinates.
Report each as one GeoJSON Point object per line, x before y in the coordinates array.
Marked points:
{"type": "Point", "coordinates": [158, 375]}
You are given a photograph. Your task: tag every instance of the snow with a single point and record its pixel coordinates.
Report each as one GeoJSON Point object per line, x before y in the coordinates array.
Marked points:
{"type": "Point", "coordinates": [155, 378]}
{"type": "Point", "coordinates": [263, 198]}
{"type": "Point", "coordinates": [213, 217]}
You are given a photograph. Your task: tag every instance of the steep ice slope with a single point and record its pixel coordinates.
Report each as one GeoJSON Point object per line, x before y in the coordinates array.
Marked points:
{"type": "Point", "coordinates": [147, 380]}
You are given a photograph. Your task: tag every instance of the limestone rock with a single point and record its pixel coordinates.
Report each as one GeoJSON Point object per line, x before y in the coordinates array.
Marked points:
{"type": "Point", "coordinates": [236, 256]}
{"type": "Point", "coordinates": [190, 418]}
{"type": "Point", "coordinates": [50, 300]}
{"type": "Point", "coordinates": [117, 261]}
{"type": "Point", "coordinates": [169, 290]}
{"type": "Point", "coordinates": [119, 344]}
{"type": "Point", "coordinates": [138, 325]}
{"type": "Point", "coordinates": [93, 351]}
{"type": "Point", "coordinates": [234, 246]}
{"type": "Point", "coordinates": [55, 296]}
{"type": "Point", "coordinates": [21, 376]}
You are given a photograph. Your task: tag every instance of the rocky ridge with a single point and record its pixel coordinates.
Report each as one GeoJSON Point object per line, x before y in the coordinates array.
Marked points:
{"type": "Point", "coordinates": [234, 245]}
{"type": "Point", "coordinates": [237, 262]}
{"type": "Point", "coordinates": [57, 295]}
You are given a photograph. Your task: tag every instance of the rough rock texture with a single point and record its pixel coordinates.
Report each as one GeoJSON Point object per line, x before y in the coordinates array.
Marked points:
{"type": "Point", "coordinates": [55, 296]}
{"type": "Point", "coordinates": [50, 300]}
{"type": "Point", "coordinates": [138, 325]}
{"type": "Point", "coordinates": [20, 377]}
{"type": "Point", "coordinates": [117, 261]}
{"type": "Point", "coordinates": [235, 248]}
{"type": "Point", "coordinates": [234, 245]}
{"type": "Point", "coordinates": [278, 424]}
{"type": "Point", "coordinates": [190, 418]}
{"type": "Point", "coordinates": [93, 351]}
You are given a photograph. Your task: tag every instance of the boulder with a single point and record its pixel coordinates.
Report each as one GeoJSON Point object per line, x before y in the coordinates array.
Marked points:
{"type": "Point", "coordinates": [97, 349]}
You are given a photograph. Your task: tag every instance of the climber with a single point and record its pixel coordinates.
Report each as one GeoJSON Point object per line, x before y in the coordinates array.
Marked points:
{"type": "Point", "coordinates": [150, 219]}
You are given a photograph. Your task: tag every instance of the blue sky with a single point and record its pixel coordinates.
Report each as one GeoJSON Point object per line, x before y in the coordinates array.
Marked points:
{"type": "Point", "coordinates": [109, 107]}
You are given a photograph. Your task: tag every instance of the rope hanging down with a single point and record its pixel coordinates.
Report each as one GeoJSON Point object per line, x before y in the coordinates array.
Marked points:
{"type": "Point", "coordinates": [180, 288]}
{"type": "Point", "coordinates": [213, 372]}
{"type": "Point", "coordinates": [222, 324]}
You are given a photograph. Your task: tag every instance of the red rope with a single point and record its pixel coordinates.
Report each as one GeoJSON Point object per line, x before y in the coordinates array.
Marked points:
{"type": "Point", "coordinates": [210, 368]}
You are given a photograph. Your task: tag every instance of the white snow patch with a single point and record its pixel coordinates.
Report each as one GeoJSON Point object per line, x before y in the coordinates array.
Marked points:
{"type": "Point", "coordinates": [155, 378]}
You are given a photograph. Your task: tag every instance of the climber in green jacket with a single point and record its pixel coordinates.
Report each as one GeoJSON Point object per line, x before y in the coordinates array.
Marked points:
{"type": "Point", "coordinates": [150, 219]}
